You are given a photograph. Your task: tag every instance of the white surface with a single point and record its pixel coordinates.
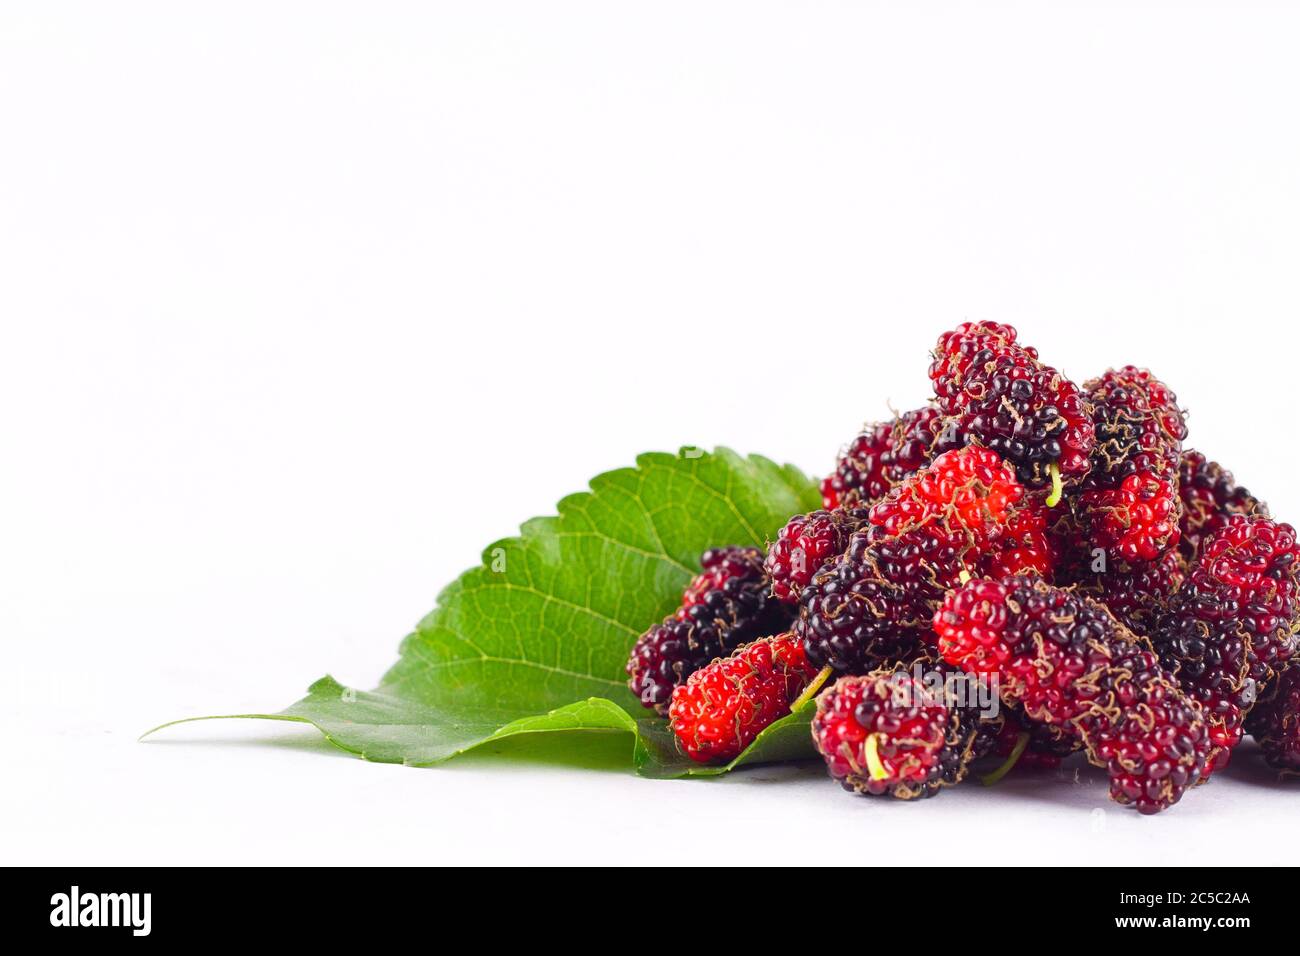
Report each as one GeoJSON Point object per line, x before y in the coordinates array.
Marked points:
{"type": "Point", "coordinates": [304, 304]}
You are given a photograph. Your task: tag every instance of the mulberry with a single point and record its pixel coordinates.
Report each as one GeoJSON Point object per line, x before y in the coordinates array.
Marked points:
{"type": "Point", "coordinates": [1025, 547]}
{"type": "Point", "coordinates": [1068, 662]}
{"type": "Point", "coordinates": [884, 454]}
{"type": "Point", "coordinates": [1136, 594]}
{"type": "Point", "coordinates": [1275, 722]}
{"type": "Point", "coordinates": [722, 707]}
{"type": "Point", "coordinates": [724, 606]}
{"type": "Point", "coordinates": [1001, 396]}
{"type": "Point", "coordinates": [873, 603]}
{"type": "Point", "coordinates": [970, 492]}
{"type": "Point", "coordinates": [1232, 624]}
{"type": "Point", "coordinates": [805, 544]}
{"type": "Point", "coordinates": [1138, 425]}
{"type": "Point", "coordinates": [1209, 495]}
{"type": "Point", "coordinates": [1130, 503]}
{"type": "Point", "coordinates": [889, 733]}
{"type": "Point", "coordinates": [718, 566]}
{"type": "Point", "coordinates": [1042, 746]}
{"type": "Point", "coordinates": [1138, 521]}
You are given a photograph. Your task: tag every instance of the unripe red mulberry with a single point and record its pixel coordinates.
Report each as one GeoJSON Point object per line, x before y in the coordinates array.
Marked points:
{"type": "Point", "coordinates": [1069, 663]}
{"type": "Point", "coordinates": [1130, 505]}
{"type": "Point", "coordinates": [970, 492]}
{"type": "Point", "coordinates": [1025, 547]}
{"type": "Point", "coordinates": [1138, 521]}
{"type": "Point", "coordinates": [722, 707]}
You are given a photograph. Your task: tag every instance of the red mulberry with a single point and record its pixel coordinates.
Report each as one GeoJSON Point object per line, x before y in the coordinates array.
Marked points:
{"type": "Point", "coordinates": [805, 544]}
{"type": "Point", "coordinates": [1130, 503]}
{"type": "Point", "coordinates": [1025, 547]}
{"type": "Point", "coordinates": [883, 455]}
{"type": "Point", "coordinates": [887, 732]}
{"type": "Point", "coordinates": [721, 708]}
{"type": "Point", "coordinates": [724, 606]}
{"type": "Point", "coordinates": [1138, 521]}
{"type": "Point", "coordinates": [970, 492]}
{"type": "Point", "coordinates": [1210, 496]}
{"type": "Point", "coordinates": [1001, 396]}
{"type": "Point", "coordinates": [1232, 624]}
{"type": "Point", "coordinates": [1068, 662]}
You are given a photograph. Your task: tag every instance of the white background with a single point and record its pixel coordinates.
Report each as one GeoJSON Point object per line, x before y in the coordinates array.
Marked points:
{"type": "Point", "coordinates": [304, 304]}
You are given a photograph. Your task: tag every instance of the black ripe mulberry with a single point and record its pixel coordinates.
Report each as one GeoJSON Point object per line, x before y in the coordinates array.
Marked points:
{"type": "Point", "coordinates": [726, 605]}
{"type": "Point", "coordinates": [1138, 423]}
{"type": "Point", "coordinates": [1137, 594]}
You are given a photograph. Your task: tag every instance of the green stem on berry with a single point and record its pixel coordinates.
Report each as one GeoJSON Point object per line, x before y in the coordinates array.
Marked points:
{"type": "Point", "coordinates": [874, 764]}
{"type": "Point", "coordinates": [811, 690]}
{"type": "Point", "coordinates": [1054, 498]}
{"type": "Point", "coordinates": [1022, 741]}
{"type": "Point", "coordinates": [963, 576]}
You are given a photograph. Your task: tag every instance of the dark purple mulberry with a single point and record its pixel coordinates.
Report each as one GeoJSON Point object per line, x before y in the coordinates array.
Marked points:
{"type": "Point", "coordinates": [1232, 625]}
{"type": "Point", "coordinates": [728, 604]}
{"type": "Point", "coordinates": [884, 454]}
{"type": "Point", "coordinates": [1209, 495]}
{"type": "Point", "coordinates": [804, 546]}
{"type": "Point", "coordinates": [1275, 721]}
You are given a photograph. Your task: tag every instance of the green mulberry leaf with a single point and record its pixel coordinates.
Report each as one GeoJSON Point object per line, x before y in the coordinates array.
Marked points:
{"type": "Point", "coordinates": [535, 638]}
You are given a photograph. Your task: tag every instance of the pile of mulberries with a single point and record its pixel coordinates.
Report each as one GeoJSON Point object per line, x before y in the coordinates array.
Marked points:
{"type": "Point", "coordinates": [1020, 570]}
